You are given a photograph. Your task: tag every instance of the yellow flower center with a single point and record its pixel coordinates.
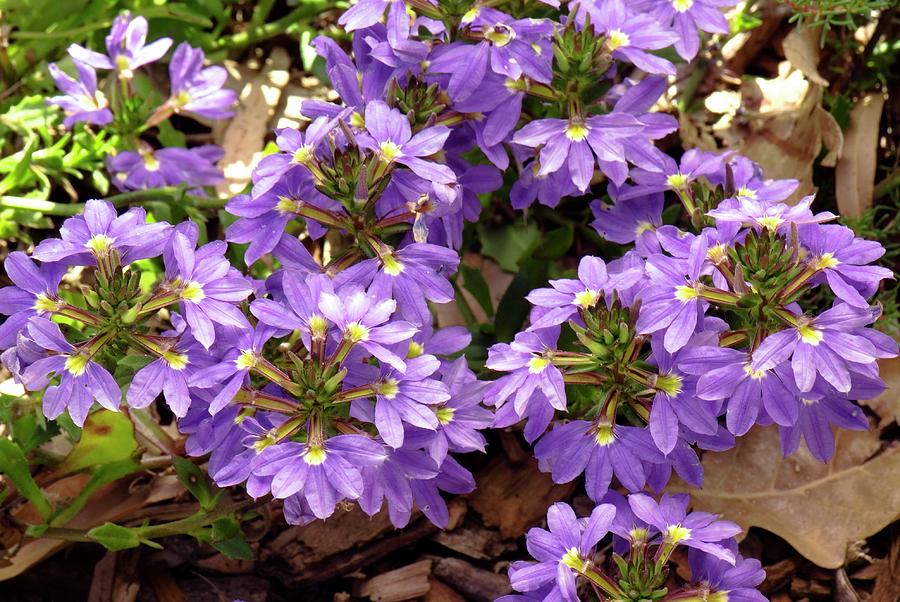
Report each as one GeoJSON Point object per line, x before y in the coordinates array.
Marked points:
{"type": "Point", "coordinates": [682, 6]}
{"type": "Point", "coordinates": [810, 335]}
{"type": "Point", "coordinates": [246, 360]}
{"type": "Point", "coordinates": [642, 227]}
{"type": "Point", "coordinates": [77, 364]}
{"type": "Point", "coordinates": [356, 332]}
{"type": "Point", "coordinates": [286, 205]}
{"type": "Point", "coordinates": [537, 364]}
{"type": "Point", "coordinates": [670, 384]}
{"type": "Point", "coordinates": [391, 266]}
{"type": "Point", "coordinates": [99, 244]}
{"type": "Point", "coordinates": [151, 163]}
{"type": "Point", "coordinates": [754, 374]}
{"type": "Point", "coordinates": [616, 39]}
{"type": "Point", "coordinates": [678, 533]}
{"type": "Point", "coordinates": [183, 98]}
{"type": "Point", "coordinates": [572, 559]}
{"type": "Point", "coordinates": [357, 120]}
{"type": "Point", "coordinates": [500, 35]}
{"type": "Point", "coordinates": [193, 292]}
{"type": "Point", "coordinates": [676, 180]}
{"type": "Point", "coordinates": [44, 303]}
{"type": "Point", "coordinates": [445, 415]}
{"type": "Point", "coordinates": [390, 150]}
{"type": "Point", "coordinates": [302, 154]}
{"type": "Point", "coordinates": [770, 222]}
{"type": "Point", "coordinates": [826, 261]}
{"type": "Point", "coordinates": [576, 132]}
{"type": "Point", "coordinates": [415, 350]}
{"type": "Point", "coordinates": [686, 293]}
{"type": "Point", "coordinates": [716, 253]}
{"type": "Point", "coordinates": [389, 388]}
{"type": "Point", "coordinates": [175, 360]}
{"type": "Point", "coordinates": [471, 14]}
{"type": "Point", "coordinates": [745, 192]}
{"type": "Point", "coordinates": [318, 326]}
{"type": "Point", "coordinates": [808, 402]}
{"type": "Point", "coordinates": [638, 534]}
{"type": "Point", "coordinates": [315, 455]}
{"type": "Point", "coordinates": [604, 436]}
{"type": "Point", "coordinates": [587, 298]}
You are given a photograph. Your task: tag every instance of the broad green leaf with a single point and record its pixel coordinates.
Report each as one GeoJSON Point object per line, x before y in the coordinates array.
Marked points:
{"type": "Point", "coordinates": [194, 479]}
{"type": "Point", "coordinates": [227, 537]}
{"type": "Point", "coordinates": [115, 537]}
{"type": "Point", "coordinates": [556, 243]}
{"type": "Point", "coordinates": [508, 245]}
{"type": "Point", "coordinates": [513, 308]}
{"type": "Point", "coordinates": [106, 437]}
{"type": "Point", "coordinates": [14, 465]}
{"type": "Point", "coordinates": [475, 283]}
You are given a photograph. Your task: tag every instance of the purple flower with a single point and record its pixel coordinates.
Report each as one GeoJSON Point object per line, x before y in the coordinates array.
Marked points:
{"type": "Point", "coordinates": [400, 397]}
{"type": "Point", "coordinates": [81, 379]}
{"type": "Point", "coordinates": [264, 217]}
{"type": "Point", "coordinates": [698, 530]}
{"type": "Point", "coordinates": [838, 254]}
{"type": "Point", "coordinates": [100, 233]}
{"type": "Point", "coordinates": [562, 552]}
{"type": "Point", "coordinates": [820, 408]}
{"type": "Point", "coordinates": [389, 136]}
{"type": "Point", "coordinates": [511, 48]}
{"type": "Point", "coordinates": [749, 183]}
{"type": "Point", "coordinates": [168, 374]}
{"type": "Point", "coordinates": [82, 101]}
{"type": "Point", "coordinates": [126, 47]}
{"type": "Point", "coordinates": [461, 417]}
{"type": "Point", "coordinates": [366, 13]}
{"type": "Point", "coordinates": [686, 17]}
{"type": "Point", "coordinates": [298, 148]}
{"type": "Point", "coordinates": [630, 220]}
{"type": "Point", "coordinates": [718, 579]}
{"type": "Point", "coordinates": [829, 345]}
{"type": "Point", "coordinates": [198, 90]}
{"type": "Point", "coordinates": [34, 293]}
{"type": "Point", "coordinates": [630, 35]}
{"type": "Point", "coordinates": [410, 275]}
{"type": "Point", "coordinates": [528, 359]}
{"type": "Point", "coordinates": [166, 167]}
{"type": "Point", "coordinates": [775, 217]}
{"type": "Point", "coordinates": [568, 296]}
{"type": "Point", "coordinates": [547, 189]}
{"type": "Point", "coordinates": [321, 473]}
{"type": "Point", "coordinates": [727, 374]}
{"type": "Point", "coordinates": [674, 176]}
{"type": "Point", "coordinates": [598, 450]}
{"type": "Point", "coordinates": [575, 142]}
{"type": "Point", "coordinates": [364, 320]}
{"type": "Point", "coordinates": [204, 282]}
{"type": "Point", "coordinates": [672, 302]}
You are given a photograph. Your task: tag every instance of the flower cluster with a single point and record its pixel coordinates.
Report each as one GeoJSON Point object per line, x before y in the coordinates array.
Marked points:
{"type": "Point", "coordinates": [195, 90]}
{"type": "Point", "coordinates": [645, 533]}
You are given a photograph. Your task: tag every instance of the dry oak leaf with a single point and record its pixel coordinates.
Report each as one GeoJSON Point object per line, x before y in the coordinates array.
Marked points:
{"type": "Point", "coordinates": [818, 508]}
{"type": "Point", "coordinates": [855, 174]}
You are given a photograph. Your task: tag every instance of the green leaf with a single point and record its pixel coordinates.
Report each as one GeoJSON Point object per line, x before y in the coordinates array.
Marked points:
{"type": "Point", "coordinates": [195, 481]}
{"type": "Point", "coordinates": [127, 366]}
{"type": "Point", "coordinates": [513, 308]}
{"type": "Point", "coordinates": [115, 537]}
{"type": "Point", "coordinates": [556, 243]}
{"type": "Point", "coordinates": [14, 465]}
{"type": "Point", "coordinates": [106, 437]}
{"type": "Point", "coordinates": [475, 283]}
{"type": "Point", "coordinates": [227, 537]}
{"type": "Point", "coordinates": [508, 245]}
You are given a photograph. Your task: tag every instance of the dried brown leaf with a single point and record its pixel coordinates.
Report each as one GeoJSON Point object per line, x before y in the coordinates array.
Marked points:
{"type": "Point", "coordinates": [406, 583]}
{"type": "Point", "coordinates": [818, 508]}
{"type": "Point", "coordinates": [801, 48]}
{"type": "Point", "coordinates": [855, 174]}
{"type": "Point", "coordinates": [887, 405]}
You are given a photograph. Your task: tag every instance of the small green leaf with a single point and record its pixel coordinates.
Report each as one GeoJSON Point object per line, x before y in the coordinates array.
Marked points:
{"type": "Point", "coordinates": [227, 537]}
{"type": "Point", "coordinates": [475, 283]}
{"type": "Point", "coordinates": [14, 465]}
{"type": "Point", "coordinates": [508, 245]}
{"type": "Point", "coordinates": [106, 437]}
{"type": "Point", "coordinates": [115, 537]}
{"type": "Point", "coordinates": [195, 481]}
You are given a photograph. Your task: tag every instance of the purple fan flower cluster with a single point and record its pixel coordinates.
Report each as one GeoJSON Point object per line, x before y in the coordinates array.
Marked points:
{"type": "Point", "coordinates": [194, 90]}
{"type": "Point", "coordinates": [643, 529]}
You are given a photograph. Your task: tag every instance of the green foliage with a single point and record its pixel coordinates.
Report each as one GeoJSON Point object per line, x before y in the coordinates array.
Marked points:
{"type": "Point", "coordinates": [828, 14]}
{"type": "Point", "coordinates": [14, 465]}
{"type": "Point", "coordinates": [106, 437]}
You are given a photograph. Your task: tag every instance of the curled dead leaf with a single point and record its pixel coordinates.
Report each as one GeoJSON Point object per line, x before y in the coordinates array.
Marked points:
{"type": "Point", "coordinates": [801, 48]}
{"type": "Point", "coordinates": [855, 174]}
{"type": "Point", "coordinates": [818, 508]}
